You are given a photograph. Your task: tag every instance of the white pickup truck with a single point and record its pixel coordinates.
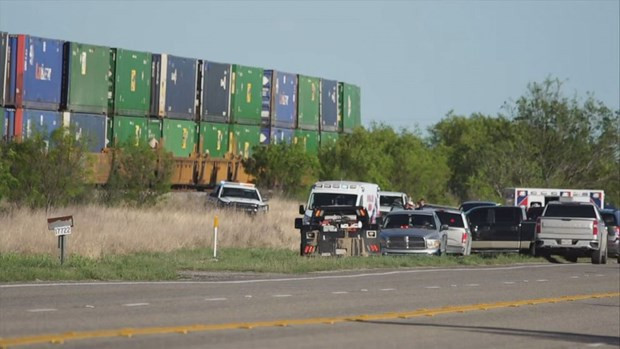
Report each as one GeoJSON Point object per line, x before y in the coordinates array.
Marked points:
{"type": "Point", "coordinates": [572, 230]}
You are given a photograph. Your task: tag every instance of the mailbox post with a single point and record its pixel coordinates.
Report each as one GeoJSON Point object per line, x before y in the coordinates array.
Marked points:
{"type": "Point", "coordinates": [61, 227]}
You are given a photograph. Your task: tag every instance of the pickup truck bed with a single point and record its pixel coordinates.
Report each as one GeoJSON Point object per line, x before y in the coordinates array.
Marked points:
{"type": "Point", "coordinates": [572, 230]}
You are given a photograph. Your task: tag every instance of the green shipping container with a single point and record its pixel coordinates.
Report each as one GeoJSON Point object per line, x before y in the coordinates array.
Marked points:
{"type": "Point", "coordinates": [87, 81]}
{"type": "Point", "coordinates": [129, 129]}
{"type": "Point", "coordinates": [308, 139]}
{"type": "Point", "coordinates": [329, 138]}
{"type": "Point", "coordinates": [246, 95]}
{"type": "Point", "coordinates": [243, 138]}
{"type": "Point", "coordinates": [153, 127]}
{"type": "Point", "coordinates": [214, 138]}
{"type": "Point", "coordinates": [179, 137]}
{"type": "Point", "coordinates": [132, 82]}
{"type": "Point", "coordinates": [350, 107]}
{"type": "Point", "coordinates": [308, 103]}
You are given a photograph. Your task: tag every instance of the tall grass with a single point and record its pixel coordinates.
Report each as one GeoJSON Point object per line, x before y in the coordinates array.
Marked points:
{"type": "Point", "coordinates": [182, 221]}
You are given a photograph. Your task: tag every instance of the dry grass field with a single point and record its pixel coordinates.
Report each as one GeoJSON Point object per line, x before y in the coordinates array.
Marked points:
{"type": "Point", "coordinates": [181, 221]}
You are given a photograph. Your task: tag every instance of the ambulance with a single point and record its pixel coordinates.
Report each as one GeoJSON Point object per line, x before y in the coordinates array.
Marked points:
{"type": "Point", "coordinates": [528, 197]}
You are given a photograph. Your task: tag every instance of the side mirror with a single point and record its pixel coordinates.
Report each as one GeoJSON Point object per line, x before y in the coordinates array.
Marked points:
{"type": "Point", "coordinates": [445, 227]}
{"type": "Point", "coordinates": [298, 223]}
{"type": "Point", "coordinates": [302, 210]}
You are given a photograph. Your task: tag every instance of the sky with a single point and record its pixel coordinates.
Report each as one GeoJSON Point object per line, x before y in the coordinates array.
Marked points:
{"type": "Point", "coordinates": [415, 61]}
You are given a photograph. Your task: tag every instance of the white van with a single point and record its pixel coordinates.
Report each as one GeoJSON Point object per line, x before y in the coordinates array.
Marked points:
{"type": "Point", "coordinates": [528, 197]}
{"type": "Point", "coordinates": [343, 193]}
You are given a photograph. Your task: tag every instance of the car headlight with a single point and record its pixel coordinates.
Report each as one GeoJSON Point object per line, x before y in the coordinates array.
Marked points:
{"type": "Point", "coordinates": [433, 243]}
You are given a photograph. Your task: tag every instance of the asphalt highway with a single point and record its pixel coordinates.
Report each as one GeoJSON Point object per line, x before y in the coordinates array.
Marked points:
{"type": "Point", "coordinates": [466, 307]}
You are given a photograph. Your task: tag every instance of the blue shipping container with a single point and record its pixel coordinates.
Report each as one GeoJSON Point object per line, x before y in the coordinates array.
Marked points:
{"type": "Point", "coordinates": [9, 120]}
{"type": "Point", "coordinates": [216, 91]}
{"type": "Point", "coordinates": [40, 121]}
{"type": "Point", "coordinates": [265, 113]}
{"type": "Point", "coordinates": [281, 135]}
{"type": "Point", "coordinates": [174, 87]}
{"type": "Point", "coordinates": [329, 105]}
{"type": "Point", "coordinates": [36, 72]}
{"type": "Point", "coordinates": [265, 136]}
{"type": "Point", "coordinates": [9, 94]}
{"type": "Point", "coordinates": [279, 99]}
{"type": "Point", "coordinates": [91, 129]}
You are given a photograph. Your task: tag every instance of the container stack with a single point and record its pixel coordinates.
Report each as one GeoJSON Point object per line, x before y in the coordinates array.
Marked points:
{"type": "Point", "coordinates": [174, 99]}
{"type": "Point", "coordinates": [279, 111]}
{"type": "Point", "coordinates": [188, 107]}
{"type": "Point", "coordinates": [32, 76]}
{"type": "Point", "coordinates": [130, 98]}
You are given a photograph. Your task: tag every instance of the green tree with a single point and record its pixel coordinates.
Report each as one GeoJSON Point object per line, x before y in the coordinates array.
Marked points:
{"type": "Point", "coordinates": [48, 172]}
{"type": "Point", "coordinates": [286, 168]}
{"type": "Point", "coordinates": [140, 176]}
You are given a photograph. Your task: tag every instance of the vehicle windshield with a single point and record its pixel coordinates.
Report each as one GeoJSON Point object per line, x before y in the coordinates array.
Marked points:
{"type": "Point", "coordinates": [575, 211]}
{"type": "Point", "coordinates": [469, 205]}
{"type": "Point", "coordinates": [332, 199]}
{"type": "Point", "coordinates": [244, 193]}
{"type": "Point", "coordinates": [610, 219]}
{"type": "Point", "coordinates": [404, 221]}
{"type": "Point", "coordinates": [451, 219]}
{"type": "Point", "coordinates": [390, 200]}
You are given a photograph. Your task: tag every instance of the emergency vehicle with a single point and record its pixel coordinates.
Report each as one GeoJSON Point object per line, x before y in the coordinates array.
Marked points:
{"type": "Point", "coordinates": [528, 197]}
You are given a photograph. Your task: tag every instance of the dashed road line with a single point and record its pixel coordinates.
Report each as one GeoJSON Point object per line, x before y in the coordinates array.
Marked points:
{"type": "Point", "coordinates": [509, 282]}
{"type": "Point", "coordinates": [41, 310]}
{"type": "Point", "coordinates": [340, 292]}
{"type": "Point", "coordinates": [248, 296]}
{"type": "Point", "coordinates": [130, 332]}
{"type": "Point", "coordinates": [574, 277]}
{"type": "Point", "coordinates": [216, 299]}
{"type": "Point", "coordinates": [542, 280]}
{"type": "Point", "coordinates": [281, 295]}
{"type": "Point", "coordinates": [388, 289]}
{"type": "Point", "coordinates": [135, 304]}
{"type": "Point", "coordinates": [432, 287]}
{"type": "Point", "coordinates": [472, 285]}
{"type": "Point", "coordinates": [363, 290]}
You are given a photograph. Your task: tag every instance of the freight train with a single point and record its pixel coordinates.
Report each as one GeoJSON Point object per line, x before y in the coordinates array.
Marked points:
{"type": "Point", "coordinates": [209, 115]}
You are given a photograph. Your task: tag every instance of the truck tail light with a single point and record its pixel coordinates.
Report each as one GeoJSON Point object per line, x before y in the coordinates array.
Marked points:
{"type": "Point", "coordinates": [595, 228]}
{"type": "Point", "coordinates": [538, 224]}
{"type": "Point", "coordinates": [464, 238]}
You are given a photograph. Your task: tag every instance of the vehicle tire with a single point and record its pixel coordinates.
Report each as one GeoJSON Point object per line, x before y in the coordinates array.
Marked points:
{"type": "Point", "coordinates": [597, 256]}
{"type": "Point", "coordinates": [604, 257]}
{"type": "Point", "coordinates": [532, 251]}
{"type": "Point", "coordinates": [573, 258]}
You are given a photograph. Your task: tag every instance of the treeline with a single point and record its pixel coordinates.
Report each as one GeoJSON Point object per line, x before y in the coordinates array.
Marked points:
{"type": "Point", "coordinates": [55, 172]}
{"type": "Point", "coordinates": [543, 139]}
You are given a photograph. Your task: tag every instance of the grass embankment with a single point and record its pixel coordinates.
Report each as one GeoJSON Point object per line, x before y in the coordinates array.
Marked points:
{"type": "Point", "coordinates": [180, 264]}
{"type": "Point", "coordinates": [161, 243]}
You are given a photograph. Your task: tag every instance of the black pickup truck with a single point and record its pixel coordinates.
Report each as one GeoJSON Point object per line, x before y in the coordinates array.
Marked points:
{"type": "Point", "coordinates": [501, 229]}
{"type": "Point", "coordinates": [338, 231]}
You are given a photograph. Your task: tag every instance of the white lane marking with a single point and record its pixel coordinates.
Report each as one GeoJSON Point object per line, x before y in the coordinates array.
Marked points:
{"type": "Point", "coordinates": [509, 282]}
{"type": "Point", "coordinates": [248, 296]}
{"type": "Point", "coordinates": [215, 299]}
{"type": "Point", "coordinates": [452, 285]}
{"type": "Point", "coordinates": [542, 280]}
{"type": "Point", "coordinates": [432, 287]}
{"type": "Point", "coordinates": [351, 276]}
{"type": "Point", "coordinates": [472, 285]}
{"type": "Point", "coordinates": [135, 304]}
{"type": "Point", "coordinates": [281, 295]}
{"type": "Point", "coordinates": [388, 289]}
{"type": "Point", "coordinates": [89, 306]}
{"type": "Point", "coordinates": [574, 277]}
{"type": "Point", "coordinates": [363, 290]}
{"type": "Point", "coordinates": [340, 292]}
{"type": "Point", "coordinates": [525, 281]}
{"type": "Point", "coordinates": [594, 345]}
{"type": "Point", "coordinates": [41, 310]}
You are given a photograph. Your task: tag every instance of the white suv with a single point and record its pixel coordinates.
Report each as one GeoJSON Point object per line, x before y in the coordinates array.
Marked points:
{"type": "Point", "coordinates": [240, 196]}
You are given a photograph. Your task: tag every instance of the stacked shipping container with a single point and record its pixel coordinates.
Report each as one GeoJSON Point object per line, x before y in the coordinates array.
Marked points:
{"type": "Point", "coordinates": [113, 96]}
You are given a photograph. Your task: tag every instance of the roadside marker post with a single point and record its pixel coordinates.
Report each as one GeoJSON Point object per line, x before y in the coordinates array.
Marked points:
{"type": "Point", "coordinates": [61, 227]}
{"type": "Point", "coordinates": [216, 223]}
